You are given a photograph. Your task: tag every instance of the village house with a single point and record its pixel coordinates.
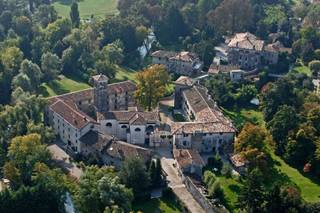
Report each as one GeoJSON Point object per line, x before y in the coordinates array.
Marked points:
{"type": "Point", "coordinates": [206, 129]}
{"type": "Point", "coordinates": [249, 52]}
{"type": "Point", "coordinates": [111, 150]}
{"type": "Point", "coordinates": [183, 63]}
{"type": "Point", "coordinates": [189, 162]}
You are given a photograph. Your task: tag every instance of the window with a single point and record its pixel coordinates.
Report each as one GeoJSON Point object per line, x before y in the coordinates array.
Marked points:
{"type": "Point", "coordinates": [137, 130]}
{"type": "Point", "coordinates": [109, 124]}
{"type": "Point", "coordinates": [184, 143]}
{"type": "Point", "coordinates": [80, 102]}
{"type": "Point", "coordinates": [123, 126]}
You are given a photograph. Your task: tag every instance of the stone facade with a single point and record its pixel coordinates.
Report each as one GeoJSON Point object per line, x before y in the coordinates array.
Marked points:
{"type": "Point", "coordinates": [103, 108]}
{"type": "Point", "coordinates": [249, 52]}
{"type": "Point", "coordinates": [207, 129]}
{"type": "Point", "coordinates": [183, 63]}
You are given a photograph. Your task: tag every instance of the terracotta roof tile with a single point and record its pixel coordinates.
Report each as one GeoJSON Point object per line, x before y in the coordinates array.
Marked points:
{"type": "Point", "coordinates": [187, 157]}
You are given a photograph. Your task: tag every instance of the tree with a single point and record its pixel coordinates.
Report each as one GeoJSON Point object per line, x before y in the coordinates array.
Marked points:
{"type": "Point", "coordinates": [24, 152]}
{"type": "Point", "coordinates": [245, 94]}
{"type": "Point", "coordinates": [315, 67]}
{"type": "Point", "coordinates": [33, 72]}
{"type": "Point", "coordinates": [155, 173]}
{"type": "Point", "coordinates": [285, 120]}
{"type": "Point", "coordinates": [152, 83]}
{"type": "Point", "coordinates": [251, 144]}
{"type": "Point", "coordinates": [236, 16]}
{"type": "Point", "coordinates": [50, 66]}
{"type": "Point", "coordinates": [100, 189]}
{"type": "Point", "coordinates": [252, 194]}
{"type": "Point", "coordinates": [74, 14]}
{"type": "Point", "coordinates": [171, 27]}
{"type": "Point", "coordinates": [45, 14]}
{"type": "Point", "coordinates": [113, 52]}
{"type": "Point", "coordinates": [220, 88]}
{"type": "Point", "coordinates": [279, 93]}
{"type": "Point", "coordinates": [134, 175]}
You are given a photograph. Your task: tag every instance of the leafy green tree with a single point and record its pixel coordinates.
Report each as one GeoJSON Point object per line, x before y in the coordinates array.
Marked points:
{"type": "Point", "coordinates": [33, 72]}
{"type": "Point", "coordinates": [74, 14]}
{"type": "Point", "coordinates": [220, 88]}
{"type": "Point", "coordinates": [50, 66]}
{"type": "Point", "coordinates": [315, 67]}
{"type": "Point", "coordinates": [252, 194]}
{"type": "Point", "coordinates": [235, 15]}
{"type": "Point", "coordinates": [155, 171]}
{"type": "Point", "coordinates": [134, 175]}
{"type": "Point", "coordinates": [24, 152]}
{"type": "Point", "coordinates": [245, 94]}
{"type": "Point", "coordinates": [284, 121]}
{"type": "Point", "coordinates": [100, 189]}
{"type": "Point", "coordinates": [45, 14]}
{"type": "Point", "coordinates": [304, 139]}
{"type": "Point", "coordinates": [113, 52]}
{"type": "Point", "coordinates": [280, 93]}
{"type": "Point", "coordinates": [171, 27]}
{"type": "Point", "coordinates": [152, 83]}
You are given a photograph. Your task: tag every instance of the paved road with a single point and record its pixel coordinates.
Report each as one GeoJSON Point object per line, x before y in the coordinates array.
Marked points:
{"type": "Point", "coordinates": [62, 158]}
{"type": "Point", "coordinates": [175, 182]}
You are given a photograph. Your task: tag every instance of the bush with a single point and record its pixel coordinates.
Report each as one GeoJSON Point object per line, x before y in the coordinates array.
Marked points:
{"type": "Point", "coordinates": [215, 190]}
{"type": "Point", "coordinates": [215, 162]}
{"type": "Point", "coordinates": [226, 170]}
{"type": "Point", "coordinates": [209, 178]}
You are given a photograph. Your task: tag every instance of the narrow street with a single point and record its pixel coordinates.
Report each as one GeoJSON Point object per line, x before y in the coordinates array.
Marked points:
{"type": "Point", "coordinates": [63, 160]}
{"type": "Point", "coordinates": [178, 187]}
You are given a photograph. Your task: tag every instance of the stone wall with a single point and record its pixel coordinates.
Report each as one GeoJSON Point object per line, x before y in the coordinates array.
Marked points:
{"type": "Point", "coordinates": [201, 199]}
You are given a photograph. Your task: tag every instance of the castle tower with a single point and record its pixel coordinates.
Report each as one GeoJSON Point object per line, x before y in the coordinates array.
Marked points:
{"type": "Point", "coordinates": [100, 95]}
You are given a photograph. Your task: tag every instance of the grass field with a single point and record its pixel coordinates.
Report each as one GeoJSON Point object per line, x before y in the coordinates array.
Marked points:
{"type": "Point", "coordinates": [310, 190]}
{"type": "Point", "coordinates": [302, 69]}
{"type": "Point", "coordinates": [61, 86]}
{"type": "Point", "coordinates": [231, 189]}
{"type": "Point", "coordinates": [245, 115]}
{"type": "Point", "coordinates": [164, 205]}
{"type": "Point", "coordinates": [98, 8]}
{"type": "Point", "coordinates": [123, 74]}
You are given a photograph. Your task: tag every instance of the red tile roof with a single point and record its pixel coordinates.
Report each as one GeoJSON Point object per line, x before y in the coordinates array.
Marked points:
{"type": "Point", "coordinates": [187, 157]}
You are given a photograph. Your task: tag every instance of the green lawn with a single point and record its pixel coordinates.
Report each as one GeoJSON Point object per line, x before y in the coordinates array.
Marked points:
{"type": "Point", "coordinates": [61, 86]}
{"type": "Point", "coordinates": [231, 189]}
{"type": "Point", "coordinates": [302, 69]}
{"type": "Point", "coordinates": [123, 74]}
{"type": "Point", "coordinates": [245, 115]}
{"type": "Point", "coordinates": [99, 8]}
{"type": "Point", "coordinates": [164, 205]}
{"type": "Point", "coordinates": [310, 191]}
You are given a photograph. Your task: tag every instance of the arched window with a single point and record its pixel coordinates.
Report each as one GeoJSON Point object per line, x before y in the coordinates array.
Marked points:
{"type": "Point", "coordinates": [109, 124]}
{"type": "Point", "coordinates": [123, 126]}
{"type": "Point", "coordinates": [150, 128]}
{"type": "Point", "coordinates": [137, 130]}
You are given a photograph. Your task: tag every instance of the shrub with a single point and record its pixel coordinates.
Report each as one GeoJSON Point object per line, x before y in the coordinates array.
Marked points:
{"type": "Point", "coordinates": [226, 170]}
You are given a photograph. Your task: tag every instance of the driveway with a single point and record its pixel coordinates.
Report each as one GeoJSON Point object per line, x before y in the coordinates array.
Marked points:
{"type": "Point", "coordinates": [177, 186]}
{"type": "Point", "coordinates": [63, 160]}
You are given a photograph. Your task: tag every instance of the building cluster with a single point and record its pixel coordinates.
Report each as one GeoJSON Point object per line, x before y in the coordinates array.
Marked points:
{"type": "Point", "coordinates": [249, 52]}
{"type": "Point", "coordinates": [182, 63]}
{"type": "Point", "coordinates": [105, 121]}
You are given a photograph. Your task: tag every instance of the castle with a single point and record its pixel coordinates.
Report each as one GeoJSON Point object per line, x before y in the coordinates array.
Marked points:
{"type": "Point", "coordinates": [87, 120]}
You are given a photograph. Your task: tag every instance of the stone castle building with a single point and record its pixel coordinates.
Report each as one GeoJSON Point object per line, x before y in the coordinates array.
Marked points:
{"type": "Point", "coordinates": [182, 63]}
{"type": "Point", "coordinates": [106, 108]}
